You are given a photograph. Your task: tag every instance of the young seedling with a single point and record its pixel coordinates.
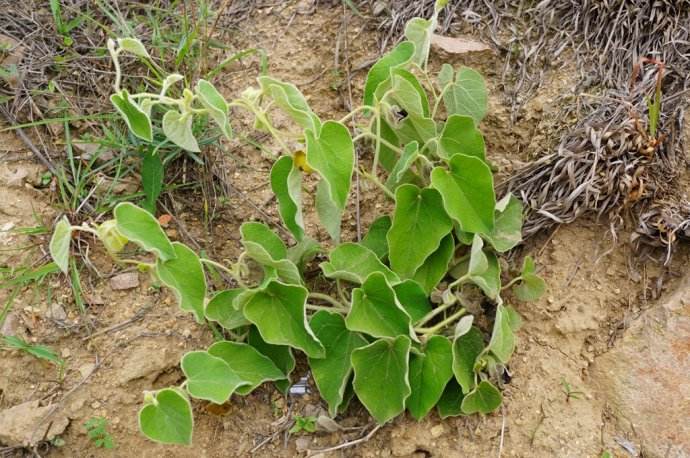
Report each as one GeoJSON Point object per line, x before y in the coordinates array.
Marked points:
{"type": "Point", "coordinates": [303, 424]}
{"type": "Point", "coordinates": [385, 339]}
{"type": "Point", "coordinates": [38, 351]}
{"type": "Point", "coordinates": [97, 431]}
{"type": "Point", "coordinates": [570, 393]}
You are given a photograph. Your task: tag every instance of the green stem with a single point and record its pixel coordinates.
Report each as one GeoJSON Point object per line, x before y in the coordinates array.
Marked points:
{"type": "Point", "coordinates": [368, 134]}
{"type": "Point", "coordinates": [345, 118]}
{"type": "Point", "coordinates": [441, 325]}
{"type": "Point", "coordinates": [511, 282]}
{"type": "Point", "coordinates": [264, 121]}
{"type": "Point", "coordinates": [439, 100]}
{"type": "Point", "coordinates": [235, 276]}
{"type": "Point", "coordinates": [84, 228]}
{"type": "Point", "coordinates": [326, 298]}
{"type": "Point", "coordinates": [429, 316]}
{"type": "Point", "coordinates": [377, 182]}
{"type": "Point", "coordinates": [377, 150]}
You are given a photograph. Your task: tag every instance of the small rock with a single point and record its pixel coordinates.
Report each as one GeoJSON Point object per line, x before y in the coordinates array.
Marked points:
{"type": "Point", "coordinates": [26, 424]}
{"type": "Point", "coordinates": [86, 369]}
{"type": "Point", "coordinates": [146, 361]}
{"type": "Point", "coordinates": [302, 444]}
{"type": "Point", "coordinates": [11, 325]}
{"type": "Point", "coordinates": [127, 280]}
{"type": "Point", "coordinates": [379, 7]}
{"type": "Point", "coordinates": [95, 405]}
{"type": "Point", "coordinates": [66, 353]}
{"type": "Point", "coordinates": [437, 431]}
{"type": "Point", "coordinates": [57, 312]}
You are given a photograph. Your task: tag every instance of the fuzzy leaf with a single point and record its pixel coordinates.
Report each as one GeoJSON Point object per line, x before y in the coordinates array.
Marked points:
{"type": "Point", "coordinates": [429, 374]}
{"type": "Point", "coordinates": [485, 398]}
{"type": "Point", "coordinates": [332, 373]}
{"type": "Point", "coordinates": [286, 183]}
{"type": "Point", "coordinates": [266, 248]}
{"type": "Point", "coordinates": [152, 175]}
{"type": "Point", "coordinates": [490, 279]}
{"type": "Point", "coordinates": [139, 226]}
{"type": "Point", "coordinates": [281, 355]}
{"type": "Point", "coordinates": [354, 262]}
{"type": "Point", "coordinates": [110, 237]}
{"type": "Point", "coordinates": [408, 93]}
{"type": "Point", "coordinates": [136, 118]}
{"type": "Point", "coordinates": [375, 239]}
{"type": "Point", "coordinates": [168, 418]}
{"type": "Point", "coordinates": [247, 364]}
{"type": "Point", "coordinates": [532, 285]}
{"type": "Point", "coordinates": [332, 154]}
{"type": "Point", "coordinates": [381, 377]}
{"type": "Point", "coordinates": [303, 252]}
{"type": "Point", "coordinates": [209, 377]}
{"type": "Point", "coordinates": [435, 266]}
{"type": "Point", "coordinates": [413, 299]}
{"type": "Point", "coordinates": [278, 311]}
{"type": "Point", "coordinates": [468, 192]}
{"type": "Point", "coordinates": [451, 400]}
{"type": "Point", "coordinates": [222, 310]}
{"type": "Point", "coordinates": [419, 225]}
{"type": "Point", "coordinates": [213, 101]}
{"type": "Point", "coordinates": [59, 244]}
{"type": "Point", "coordinates": [460, 135]}
{"type": "Point", "coordinates": [134, 46]}
{"type": "Point", "coordinates": [507, 232]}
{"type": "Point", "coordinates": [376, 311]}
{"type": "Point", "coordinates": [502, 341]}
{"type": "Point", "coordinates": [178, 128]}
{"type": "Point", "coordinates": [380, 71]}
{"type": "Point", "coordinates": [290, 99]}
{"type": "Point", "coordinates": [445, 75]}
{"type": "Point", "coordinates": [419, 31]}
{"type": "Point", "coordinates": [185, 276]}
{"type": "Point", "coordinates": [466, 350]}
{"type": "Point", "coordinates": [402, 166]}
{"type": "Point", "coordinates": [415, 128]}
{"type": "Point", "coordinates": [467, 95]}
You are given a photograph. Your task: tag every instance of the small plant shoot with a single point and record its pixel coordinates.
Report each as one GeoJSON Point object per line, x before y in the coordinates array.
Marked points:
{"type": "Point", "coordinates": [395, 323]}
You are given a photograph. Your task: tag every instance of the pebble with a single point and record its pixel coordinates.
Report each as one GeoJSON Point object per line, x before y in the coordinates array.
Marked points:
{"type": "Point", "coordinates": [437, 431]}
{"type": "Point", "coordinates": [57, 312]}
{"type": "Point", "coordinates": [127, 280]}
{"type": "Point", "coordinates": [95, 405]}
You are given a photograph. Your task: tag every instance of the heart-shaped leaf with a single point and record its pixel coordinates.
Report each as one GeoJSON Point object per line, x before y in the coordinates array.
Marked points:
{"type": "Point", "coordinates": [136, 118]}
{"type": "Point", "coordinates": [209, 377]}
{"type": "Point", "coordinates": [59, 244]}
{"type": "Point", "coordinates": [413, 299]}
{"type": "Point", "coordinates": [460, 135]}
{"type": "Point", "coordinates": [376, 311]}
{"type": "Point", "coordinates": [185, 276]}
{"type": "Point", "coordinates": [407, 158]}
{"type": "Point", "coordinates": [278, 311]}
{"type": "Point", "coordinates": [247, 364]}
{"type": "Point", "coordinates": [303, 252]}
{"type": "Point", "coordinates": [532, 285]}
{"type": "Point", "coordinates": [332, 154]}
{"type": "Point", "coordinates": [485, 398]}
{"type": "Point", "coordinates": [178, 128]}
{"type": "Point", "coordinates": [281, 355]}
{"type": "Point", "coordinates": [468, 192]}
{"type": "Point", "coordinates": [290, 99]}
{"type": "Point", "coordinates": [286, 183]}
{"type": "Point", "coordinates": [167, 417]}
{"type": "Point", "coordinates": [380, 71]}
{"type": "Point", "coordinates": [467, 95]}
{"type": "Point", "coordinates": [416, 128]}
{"type": "Point", "coordinates": [419, 32]}
{"type": "Point", "coordinates": [133, 46]}
{"type": "Point", "coordinates": [139, 226]}
{"type": "Point", "coordinates": [502, 341]}
{"type": "Point", "coordinates": [450, 404]}
{"type": "Point", "coordinates": [213, 101]}
{"type": "Point", "coordinates": [445, 75]}
{"type": "Point", "coordinates": [507, 232]}
{"type": "Point", "coordinates": [222, 310]}
{"type": "Point", "coordinates": [354, 262]}
{"type": "Point", "coordinates": [419, 225]}
{"type": "Point", "coordinates": [332, 373]}
{"type": "Point", "coordinates": [266, 248]}
{"type": "Point", "coordinates": [490, 279]}
{"type": "Point", "coordinates": [466, 350]}
{"type": "Point", "coordinates": [381, 377]}
{"type": "Point", "coordinates": [375, 238]}
{"type": "Point", "coordinates": [407, 93]}
{"type": "Point", "coordinates": [429, 374]}
{"type": "Point", "coordinates": [435, 266]}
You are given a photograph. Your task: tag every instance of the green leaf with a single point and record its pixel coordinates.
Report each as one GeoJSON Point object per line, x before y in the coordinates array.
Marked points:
{"type": "Point", "coordinates": [139, 226]}
{"type": "Point", "coordinates": [290, 99]}
{"type": "Point", "coordinates": [111, 238]}
{"type": "Point", "coordinates": [445, 75]}
{"type": "Point", "coordinates": [167, 417]}
{"type": "Point", "coordinates": [407, 158]}
{"type": "Point", "coordinates": [380, 71]}
{"type": "Point", "coordinates": [375, 238]}
{"type": "Point", "coordinates": [178, 128]}
{"type": "Point", "coordinates": [507, 232]}
{"type": "Point", "coordinates": [354, 262]}
{"type": "Point", "coordinates": [466, 349]}
{"type": "Point", "coordinates": [467, 95]}
{"type": "Point", "coordinates": [451, 401]}
{"type": "Point", "coordinates": [134, 46]}
{"type": "Point", "coordinates": [332, 154]}
{"type": "Point", "coordinates": [413, 299]}
{"type": "Point", "coordinates": [490, 279]}
{"type": "Point", "coordinates": [278, 311]}
{"type": "Point", "coordinates": [419, 225]}
{"type": "Point", "coordinates": [376, 310]}
{"type": "Point", "coordinates": [419, 32]}
{"type": "Point", "coordinates": [460, 135]}
{"type": "Point", "coordinates": [266, 248]}
{"type": "Point", "coordinates": [303, 252]}
{"type": "Point", "coordinates": [222, 310]}
{"type": "Point", "coordinates": [281, 355]}
{"type": "Point", "coordinates": [185, 276]}
{"type": "Point", "coordinates": [247, 364]}
{"type": "Point", "coordinates": [408, 93]}
{"type": "Point", "coordinates": [514, 318]}
{"type": "Point", "coordinates": [532, 285]}
{"type": "Point", "coordinates": [332, 373]}
{"type": "Point", "coordinates": [137, 120]}
{"type": "Point", "coordinates": [435, 266]}
{"type": "Point", "coordinates": [381, 377]}
{"type": "Point", "coordinates": [415, 128]}
{"type": "Point", "coordinates": [286, 183]}
{"type": "Point", "coordinates": [502, 343]}
{"type": "Point", "coordinates": [485, 398]}
{"type": "Point", "coordinates": [209, 377]}
{"type": "Point", "coordinates": [388, 156]}
{"type": "Point", "coordinates": [169, 81]}
{"type": "Point", "coordinates": [468, 192]}
{"type": "Point", "coordinates": [429, 374]}
{"type": "Point", "coordinates": [213, 101]}
{"type": "Point", "coordinates": [59, 244]}
{"type": "Point", "coordinates": [151, 179]}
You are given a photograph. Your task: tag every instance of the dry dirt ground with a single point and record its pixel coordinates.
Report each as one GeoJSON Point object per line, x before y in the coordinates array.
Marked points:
{"type": "Point", "coordinates": [600, 329]}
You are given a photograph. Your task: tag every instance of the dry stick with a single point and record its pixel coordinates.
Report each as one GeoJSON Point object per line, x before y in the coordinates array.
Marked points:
{"type": "Point", "coordinates": [116, 327]}
{"type": "Point", "coordinates": [346, 444]}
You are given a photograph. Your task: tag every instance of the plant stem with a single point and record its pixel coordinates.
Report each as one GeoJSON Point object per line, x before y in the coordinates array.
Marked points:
{"type": "Point", "coordinates": [377, 150]}
{"type": "Point", "coordinates": [84, 228]}
{"type": "Point", "coordinates": [511, 282]}
{"type": "Point", "coordinates": [384, 142]}
{"type": "Point", "coordinates": [326, 298]}
{"type": "Point", "coordinates": [439, 99]}
{"type": "Point", "coordinates": [429, 316]}
{"type": "Point", "coordinates": [354, 112]}
{"type": "Point", "coordinates": [235, 276]}
{"type": "Point", "coordinates": [443, 324]}
{"type": "Point", "coordinates": [377, 182]}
